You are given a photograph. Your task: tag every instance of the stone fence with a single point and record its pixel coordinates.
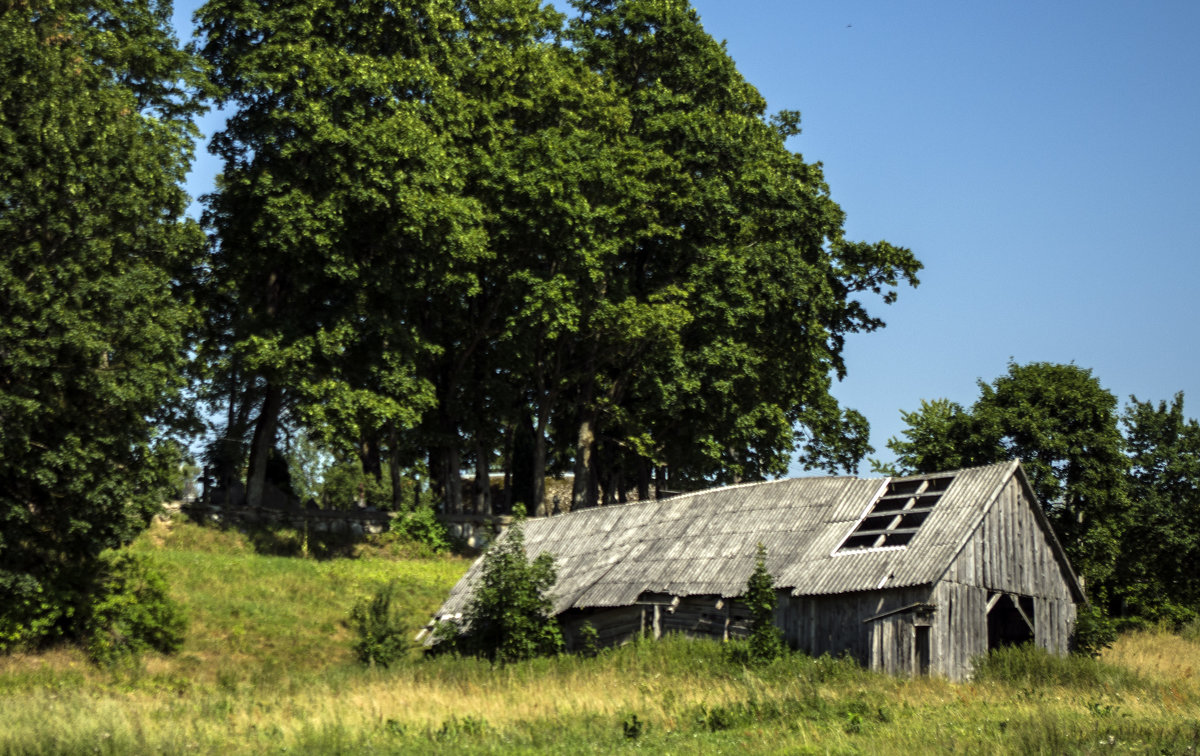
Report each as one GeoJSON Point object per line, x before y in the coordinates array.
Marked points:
{"type": "Point", "coordinates": [475, 531]}
{"type": "Point", "coordinates": [353, 522]}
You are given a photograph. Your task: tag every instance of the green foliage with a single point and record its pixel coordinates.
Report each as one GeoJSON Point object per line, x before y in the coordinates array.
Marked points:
{"type": "Point", "coordinates": [96, 107]}
{"type": "Point", "coordinates": [1156, 578]}
{"type": "Point", "coordinates": [1062, 424]}
{"type": "Point", "coordinates": [632, 727]}
{"type": "Point", "coordinates": [589, 639]}
{"type": "Point", "coordinates": [382, 636]}
{"type": "Point", "coordinates": [471, 230]}
{"type": "Point", "coordinates": [421, 526]}
{"type": "Point", "coordinates": [1191, 631]}
{"type": "Point", "coordinates": [34, 612]}
{"type": "Point", "coordinates": [766, 639]}
{"type": "Point", "coordinates": [1094, 630]}
{"type": "Point", "coordinates": [309, 463]}
{"type": "Point", "coordinates": [939, 437]}
{"type": "Point", "coordinates": [131, 611]}
{"type": "Point", "coordinates": [345, 485]}
{"type": "Point", "coordinates": [725, 310]}
{"type": "Point", "coordinates": [511, 615]}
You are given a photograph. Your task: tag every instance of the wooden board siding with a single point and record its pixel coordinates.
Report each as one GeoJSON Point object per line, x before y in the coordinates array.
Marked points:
{"type": "Point", "coordinates": [835, 624]}
{"type": "Point", "coordinates": [1054, 620]}
{"type": "Point", "coordinates": [656, 615]}
{"type": "Point", "coordinates": [1010, 551]}
{"type": "Point", "coordinates": [959, 629]}
{"type": "Point", "coordinates": [895, 644]}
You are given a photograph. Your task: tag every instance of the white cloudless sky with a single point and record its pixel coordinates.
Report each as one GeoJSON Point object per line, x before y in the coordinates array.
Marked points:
{"type": "Point", "coordinates": [1041, 159]}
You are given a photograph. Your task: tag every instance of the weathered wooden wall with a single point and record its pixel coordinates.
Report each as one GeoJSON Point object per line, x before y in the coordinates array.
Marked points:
{"type": "Point", "coordinates": [1010, 552]}
{"type": "Point", "coordinates": [656, 615]}
{"type": "Point", "coordinates": [835, 624]}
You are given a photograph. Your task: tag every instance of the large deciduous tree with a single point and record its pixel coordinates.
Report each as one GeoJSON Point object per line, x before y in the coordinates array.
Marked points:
{"type": "Point", "coordinates": [1062, 424]}
{"type": "Point", "coordinates": [96, 102]}
{"type": "Point", "coordinates": [722, 318]}
{"type": "Point", "coordinates": [473, 228]}
{"type": "Point", "coordinates": [340, 210]}
{"type": "Point", "coordinates": [1157, 576]}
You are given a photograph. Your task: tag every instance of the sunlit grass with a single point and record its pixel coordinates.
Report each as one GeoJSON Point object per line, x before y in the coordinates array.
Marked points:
{"type": "Point", "coordinates": [267, 667]}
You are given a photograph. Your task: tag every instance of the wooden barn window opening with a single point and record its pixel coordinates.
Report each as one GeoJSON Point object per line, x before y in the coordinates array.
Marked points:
{"type": "Point", "coordinates": [897, 515]}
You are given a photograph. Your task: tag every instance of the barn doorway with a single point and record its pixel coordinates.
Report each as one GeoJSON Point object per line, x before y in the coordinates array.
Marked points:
{"type": "Point", "coordinates": [1009, 620]}
{"type": "Point", "coordinates": [922, 650]}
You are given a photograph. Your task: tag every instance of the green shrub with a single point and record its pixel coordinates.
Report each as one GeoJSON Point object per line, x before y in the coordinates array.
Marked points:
{"type": "Point", "coordinates": [1094, 631]}
{"type": "Point", "coordinates": [421, 526]}
{"type": "Point", "coordinates": [130, 610]}
{"type": "Point", "coordinates": [589, 639]}
{"type": "Point", "coordinates": [766, 640]}
{"type": "Point", "coordinates": [32, 611]}
{"type": "Point", "coordinates": [382, 637]}
{"type": "Point", "coordinates": [632, 727]}
{"type": "Point", "coordinates": [511, 616]}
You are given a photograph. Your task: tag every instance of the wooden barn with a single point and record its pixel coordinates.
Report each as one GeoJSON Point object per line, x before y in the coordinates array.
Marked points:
{"type": "Point", "coordinates": [912, 575]}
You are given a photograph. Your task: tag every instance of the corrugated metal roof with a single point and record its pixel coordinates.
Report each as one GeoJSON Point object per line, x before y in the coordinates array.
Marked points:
{"type": "Point", "coordinates": [705, 542]}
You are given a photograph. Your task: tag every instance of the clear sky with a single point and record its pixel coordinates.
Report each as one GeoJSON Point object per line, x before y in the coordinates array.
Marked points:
{"type": "Point", "coordinates": [1041, 159]}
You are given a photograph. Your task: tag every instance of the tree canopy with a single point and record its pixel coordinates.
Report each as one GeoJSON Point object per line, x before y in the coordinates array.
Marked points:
{"type": "Point", "coordinates": [1156, 578]}
{"type": "Point", "coordinates": [476, 232]}
{"type": "Point", "coordinates": [96, 104]}
{"type": "Point", "coordinates": [1062, 424]}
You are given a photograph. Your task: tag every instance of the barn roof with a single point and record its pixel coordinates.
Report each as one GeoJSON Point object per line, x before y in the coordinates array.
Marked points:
{"type": "Point", "coordinates": [704, 543]}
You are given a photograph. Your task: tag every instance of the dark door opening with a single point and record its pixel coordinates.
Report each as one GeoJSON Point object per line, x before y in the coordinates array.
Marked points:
{"type": "Point", "coordinates": [922, 650]}
{"type": "Point", "coordinates": [1009, 620]}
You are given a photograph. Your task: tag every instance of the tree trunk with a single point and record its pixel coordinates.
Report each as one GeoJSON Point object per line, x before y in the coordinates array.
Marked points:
{"type": "Point", "coordinates": [481, 496]}
{"type": "Point", "coordinates": [643, 483]}
{"type": "Point", "coordinates": [368, 452]}
{"type": "Point", "coordinates": [523, 472]}
{"type": "Point", "coordinates": [394, 468]}
{"type": "Point", "coordinates": [437, 478]}
{"type": "Point", "coordinates": [504, 505]}
{"type": "Point", "coordinates": [583, 490]}
{"type": "Point", "coordinates": [540, 505]}
{"type": "Point", "coordinates": [453, 480]}
{"type": "Point", "coordinates": [260, 448]}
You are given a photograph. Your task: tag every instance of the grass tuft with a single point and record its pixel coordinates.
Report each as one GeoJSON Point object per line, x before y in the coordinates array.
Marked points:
{"type": "Point", "coordinates": [1027, 665]}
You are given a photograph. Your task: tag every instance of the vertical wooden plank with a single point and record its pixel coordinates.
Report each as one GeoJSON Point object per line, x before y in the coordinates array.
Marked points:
{"type": "Point", "coordinates": [943, 625]}
{"type": "Point", "coordinates": [977, 577]}
{"type": "Point", "coordinates": [1024, 554]}
{"type": "Point", "coordinates": [1007, 551]}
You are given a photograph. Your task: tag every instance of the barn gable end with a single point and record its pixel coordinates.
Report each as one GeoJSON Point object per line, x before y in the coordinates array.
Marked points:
{"type": "Point", "coordinates": [1010, 567]}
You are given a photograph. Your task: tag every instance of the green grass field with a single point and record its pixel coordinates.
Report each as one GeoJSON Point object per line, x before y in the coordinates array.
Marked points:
{"type": "Point", "coordinates": [267, 668]}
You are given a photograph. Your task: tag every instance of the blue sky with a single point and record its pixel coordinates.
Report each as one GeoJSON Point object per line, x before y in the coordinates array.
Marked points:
{"type": "Point", "coordinates": [1041, 160]}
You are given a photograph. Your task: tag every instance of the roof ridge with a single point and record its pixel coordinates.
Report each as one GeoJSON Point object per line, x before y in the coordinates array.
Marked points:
{"type": "Point", "coordinates": [703, 491]}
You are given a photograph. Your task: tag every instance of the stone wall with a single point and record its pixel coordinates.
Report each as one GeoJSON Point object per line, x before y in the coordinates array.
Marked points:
{"type": "Point", "coordinates": [355, 522]}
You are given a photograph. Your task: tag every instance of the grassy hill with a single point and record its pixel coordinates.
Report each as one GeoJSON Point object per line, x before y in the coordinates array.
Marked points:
{"type": "Point", "coordinates": [267, 668]}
